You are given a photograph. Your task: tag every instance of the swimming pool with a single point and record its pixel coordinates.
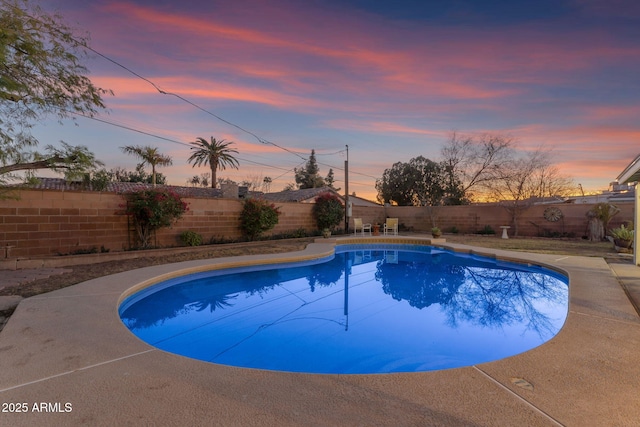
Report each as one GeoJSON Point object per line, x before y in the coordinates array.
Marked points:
{"type": "Point", "coordinates": [368, 309]}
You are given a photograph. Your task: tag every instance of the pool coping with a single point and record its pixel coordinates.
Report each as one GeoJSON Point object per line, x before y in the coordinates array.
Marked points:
{"type": "Point", "coordinates": [69, 346]}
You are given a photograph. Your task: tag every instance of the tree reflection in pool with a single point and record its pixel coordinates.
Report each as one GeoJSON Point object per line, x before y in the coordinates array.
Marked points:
{"type": "Point", "coordinates": [370, 309]}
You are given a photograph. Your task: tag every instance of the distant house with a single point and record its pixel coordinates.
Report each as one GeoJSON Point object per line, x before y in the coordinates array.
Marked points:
{"type": "Point", "coordinates": [359, 201]}
{"type": "Point", "coordinates": [549, 200]}
{"type": "Point", "coordinates": [305, 195]}
{"type": "Point", "coordinates": [308, 195]}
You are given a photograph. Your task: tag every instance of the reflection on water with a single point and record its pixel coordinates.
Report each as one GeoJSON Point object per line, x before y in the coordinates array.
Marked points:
{"type": "Point", "coordinates": [364, 311]}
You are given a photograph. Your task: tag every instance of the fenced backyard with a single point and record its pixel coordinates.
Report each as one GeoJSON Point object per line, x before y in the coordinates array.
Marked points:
{"type": "Point", "coordinates": [45, 223]}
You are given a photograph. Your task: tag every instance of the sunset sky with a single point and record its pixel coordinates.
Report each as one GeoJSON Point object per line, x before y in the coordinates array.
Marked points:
{"type": "Point", "coordinates": [391, 80]}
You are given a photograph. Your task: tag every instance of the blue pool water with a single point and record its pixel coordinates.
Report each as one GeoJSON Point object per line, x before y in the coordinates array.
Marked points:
{"type": "Point", "coordinates": [369, 309]}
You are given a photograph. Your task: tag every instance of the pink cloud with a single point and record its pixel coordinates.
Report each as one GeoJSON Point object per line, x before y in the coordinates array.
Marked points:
{"type": "Point", "coordinates": [354, 72]}
{"type": "Point", "coordinates": [381, 127]}
{"type": "Point", "coordinates": [283, 61]}
{"type": "Point", "coordinates": [437, 62]}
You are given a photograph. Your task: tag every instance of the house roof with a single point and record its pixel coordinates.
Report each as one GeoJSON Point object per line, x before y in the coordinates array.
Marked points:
{"type": "Point", "coordinates": [303, 195]}
{"type": "Point", "coordinates": [359, 201]}
{"type": "Point", "coordinates": [293, 196]}
{"type": "Point", "coordinates": [61, 184]}
{"type": "Point", "coordinates": [631, 173]}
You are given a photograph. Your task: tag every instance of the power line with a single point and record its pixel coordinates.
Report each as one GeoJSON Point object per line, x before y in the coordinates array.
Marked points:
{"type": "Point", "coordinates": [259, 139]}
{"type": "Point", "coordinates": [129, 128]}
{"type": "Point", "coordinates": [350, 170]}
{"type": "Point", "coordinates": [330, 154]}
{"type": "Point", "coordinates": [170, 140]}
{"type": "Point", "coordinates": [287, 171]}
{"type": "Point", "coordinates": [162, 91]}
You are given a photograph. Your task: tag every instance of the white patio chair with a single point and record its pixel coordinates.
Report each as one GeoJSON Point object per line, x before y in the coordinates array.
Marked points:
{"type": "Point", "coordinates": [358, 225]}
{"type": "Point", "coordinates": [391, 226]}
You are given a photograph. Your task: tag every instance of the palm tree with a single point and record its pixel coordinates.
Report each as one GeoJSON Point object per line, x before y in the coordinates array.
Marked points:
{"type": "Point", "coordinates": [148, 155]}
{"type": "Point", "coordinates": [218, 154]}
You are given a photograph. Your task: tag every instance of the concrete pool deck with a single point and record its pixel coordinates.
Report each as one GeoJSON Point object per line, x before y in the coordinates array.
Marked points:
{"type": "Point", "coordinates": [69, 350]}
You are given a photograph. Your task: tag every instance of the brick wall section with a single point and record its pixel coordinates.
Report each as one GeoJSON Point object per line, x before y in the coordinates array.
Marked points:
{"type": "Point", "coordinates": [471, 219]}
{"type": "Point", "coordinates": [46, 222]}
{"type": "Point", "coordinates": [212, 218]}
{"type": "Point", "coordinates": [294, 216]}
{"type": "Point", "coordinates": [369, 215]}
{"type": "Point", "coordinates": [219, 219]}
{"type": "Point", "coordinates": [50, 222]}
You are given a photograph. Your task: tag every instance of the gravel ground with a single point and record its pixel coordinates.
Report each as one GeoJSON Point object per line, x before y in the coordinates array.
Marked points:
{"type": "Point", "coordinates": [81, 273]}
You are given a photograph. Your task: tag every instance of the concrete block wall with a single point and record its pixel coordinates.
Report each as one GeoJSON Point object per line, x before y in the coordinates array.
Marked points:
{"type": "Point", "coordinates": [49, 222]}
{"type": "Point", "coordinates": [219, 219]}
{"type": "Point", "coordinates": [211, 218]}
{"type": "Point", "coordinates": [369, 214]}
{"type": "Point", "coordinates": [473, 218]}
{"type": "Point", "coordinates": [294, 216]}
{"type": "Point", "coordinates": [43, 223]}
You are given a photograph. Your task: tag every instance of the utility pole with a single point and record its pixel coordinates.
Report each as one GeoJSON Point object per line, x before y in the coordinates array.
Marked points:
{"type": "Point", "coordinates": [346, 193]}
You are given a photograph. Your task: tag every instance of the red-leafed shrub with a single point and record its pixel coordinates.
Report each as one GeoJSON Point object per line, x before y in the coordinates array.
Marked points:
{"type": "Point", "coordinates": [153, 209]}
{"type": "Point", "coordinates": [328, 211]}
{"type": "Point", "coordinates": [258, 216]}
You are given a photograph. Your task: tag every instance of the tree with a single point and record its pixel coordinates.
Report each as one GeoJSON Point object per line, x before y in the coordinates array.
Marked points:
{"type": "Point", "coordinates": [201, 180]}
{"type": "Point", "coordinates": [308, 176]}
{"type": "Point", "coordinates": [266, 184]}
{"type": "Point", "coordinates": [42, 75]}
{"type": "Point", "coordinates": [151, 210]}
{"type": "Point", "coordinates": [328, 211]}
{"type": "Point", "coordinates": [599, 217]}
{"type": "Point", "coordinates": [73, 161]}
{"type": "Point", "coordinates": [253, 182]}
{"type": "Point", "coordinates": [258, 216]}
{"type": "Point", "coordinates": [204, 179]}
{"type": "Point", "coordinates": [330, 179]}
{"type": "Point", "coordinates": [421, 182]}
{"type": "Point", "coordinates": [471, 162]}
{"type": "Point", "coordinates": [525, 178]}
{"type": "Point", "coordinates": [217, 154]}
{"type": "Point", "coordinates": [148, 155]}
{"type": "Point", "coordinates": [138, 175]}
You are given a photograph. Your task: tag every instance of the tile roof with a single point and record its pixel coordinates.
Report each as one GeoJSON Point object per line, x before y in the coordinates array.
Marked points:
{"type": "Point", "coordinates": [293, 196]}
{"type": "Point", "coordinates": [306, 194]}
{"type": "Point", "coordinates": [61, 184]}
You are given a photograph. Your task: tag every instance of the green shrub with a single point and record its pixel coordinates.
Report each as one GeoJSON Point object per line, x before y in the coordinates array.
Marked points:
{"type": "Point", "coordinates": [153, 209]}
{"type": "Point", "coordinates": [622, 233]}
{"type": "Point", "coordinates": [86, 251]}
{"type": "Point", "coordinates": [258, 216]}
{"type": "Point", "coordinates": [99, 180]}
{"type": "Point", "coordinates": [604, 212]}
{"type": "Point", "coordinates": [191, 238]}
{"type": "Point", "coordinates": [328, 211]}
{"type": "Point", "coordinates": [293, 234]}
{"type": "Point", "coordinates": [487, 230]}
